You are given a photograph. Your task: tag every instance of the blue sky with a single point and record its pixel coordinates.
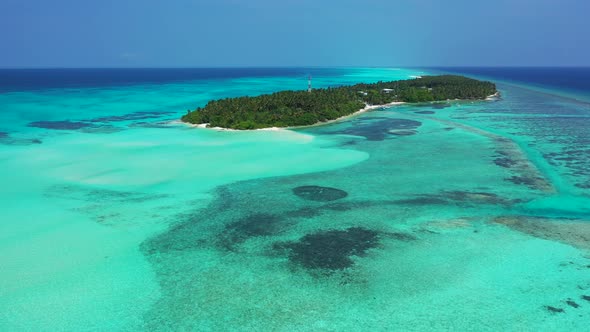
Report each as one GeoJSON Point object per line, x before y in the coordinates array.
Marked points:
{"type": "Point", "coordinates": [212, 33]}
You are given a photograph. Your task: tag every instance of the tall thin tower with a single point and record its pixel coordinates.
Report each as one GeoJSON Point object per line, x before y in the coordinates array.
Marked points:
{"type": "Point", "coordinates": [309, 84]}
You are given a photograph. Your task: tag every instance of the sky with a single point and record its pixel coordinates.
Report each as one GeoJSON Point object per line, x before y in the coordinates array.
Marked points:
{"type": "Point", "coordinates": [232, 33]}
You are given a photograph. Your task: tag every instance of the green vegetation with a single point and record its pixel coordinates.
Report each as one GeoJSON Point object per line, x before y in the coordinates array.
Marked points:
{"type": "Point", "coordinates": [300, 108]}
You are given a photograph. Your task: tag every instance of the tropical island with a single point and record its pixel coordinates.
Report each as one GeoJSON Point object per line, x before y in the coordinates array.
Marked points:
{"type": "Point", "coordinates": [303, 108]}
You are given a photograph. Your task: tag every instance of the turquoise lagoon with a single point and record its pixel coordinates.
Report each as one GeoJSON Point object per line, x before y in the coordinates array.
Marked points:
{"type": "Point", "coordinates": [460, 215]}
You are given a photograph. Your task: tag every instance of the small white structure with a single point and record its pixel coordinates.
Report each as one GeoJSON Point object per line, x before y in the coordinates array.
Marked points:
{"type": "Point", "coordinates": [387, 90]}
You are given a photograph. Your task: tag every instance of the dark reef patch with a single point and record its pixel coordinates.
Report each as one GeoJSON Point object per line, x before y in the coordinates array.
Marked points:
{"type": "Point", "coordinates": [440, 106]}
{"type": "Point", "coordinates": [463, 198]}
{"type": "Point", "coordinates": [91, 125]}
{"type": "Point", "coordinates": [554, 309]}
{"type": "Point", "coordinates": [59, 125]}
{"type": "Point", "coordinates": [425, 112]}
{"type": "Point", "coordinates": [330, 250]}
{"type": "Point", "coordinates": [477, 197]}
{"type": "Point", "coordinates": [572, 304]}
{"type": "Point", "coordinates": [585, 297]}
{"type": "Point", "coordinates": [422, 201]}
{"type": "Point", "coordinates": [433, 105]}
{"type": "Point", "coordinates": [504, 162]}
{"type": "Point", "coordinates": [380, 129]}
{"type": "Point", "coordinates": [400, 236]}
{"type": "Point", "coordinates": [254, 225]}
{"type": "Point", "coordinates": [306, 212]}
{"type": "Point", "coordinates": [529, 181]}
{"type": "Point", "coordinates": [371, 118]}
{"type": "Point", "coordinates": [143, 124]}
{"type": "Point", "coordinates": [403, 132]}
{"type": "Point", "coordinates": [20, 141]}
{"type": "Point", "coordinates": [349, 143]}
{"type": "Point", "coordinates": [319, 194]}
{"type": "Point", "coordinates": [585, 185]}
{"type": "Point", "coordinates": [130, 117]}
{"type": "Point", "coordinates": [6, 139]}
{"type": "Point", "coordinates": [106, 129]}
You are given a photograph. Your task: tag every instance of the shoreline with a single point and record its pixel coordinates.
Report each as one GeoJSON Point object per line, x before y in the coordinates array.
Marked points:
{"type": "Point", "coordinates": [367, 108]}
{"type": "Point", "coordinates": [493, 97]}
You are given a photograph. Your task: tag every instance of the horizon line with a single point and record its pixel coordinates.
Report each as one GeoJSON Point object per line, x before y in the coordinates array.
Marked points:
{"type": "Point", "coordinates": [292, 66]}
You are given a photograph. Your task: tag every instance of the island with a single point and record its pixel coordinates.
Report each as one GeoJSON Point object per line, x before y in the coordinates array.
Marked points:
{"type": "Point", "coordinates": [303, 108]}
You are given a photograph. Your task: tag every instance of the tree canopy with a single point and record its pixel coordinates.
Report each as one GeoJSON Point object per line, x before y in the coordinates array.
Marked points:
{"type": "Point", "coordinates": [300, 108]}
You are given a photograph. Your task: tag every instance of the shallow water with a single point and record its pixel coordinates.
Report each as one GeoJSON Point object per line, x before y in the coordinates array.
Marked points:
{"type": "Point", "coordinates": [468, 216]}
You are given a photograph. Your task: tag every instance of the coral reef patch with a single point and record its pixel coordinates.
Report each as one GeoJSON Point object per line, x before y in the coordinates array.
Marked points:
{"type": "Point", "coordinates": [330, 250]}
{"type": "Point", "coordinates": [319, 194]}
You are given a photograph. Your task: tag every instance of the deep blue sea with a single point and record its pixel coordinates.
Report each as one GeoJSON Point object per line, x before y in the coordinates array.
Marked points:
{"type": "Point", "coordinates": [459, 215]}
{"type": "Point", "coordinates": [32, 79]}
{"type": "Point", "coordinates": [575, 80]}
{"type": "Point", "coordinates": [566, 78]}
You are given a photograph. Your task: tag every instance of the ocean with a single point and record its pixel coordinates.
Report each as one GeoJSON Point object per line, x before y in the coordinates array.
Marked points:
{"type": "Point", "coordinates": [457, 215]}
